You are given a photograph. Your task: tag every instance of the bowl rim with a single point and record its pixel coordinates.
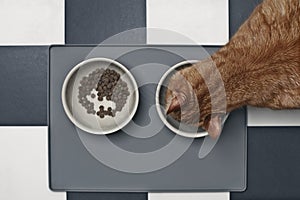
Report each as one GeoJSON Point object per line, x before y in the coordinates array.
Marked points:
{"type": "Point", "coordinates": [158, 106]}
{"type": "Point", "coordinates": [67, 110]}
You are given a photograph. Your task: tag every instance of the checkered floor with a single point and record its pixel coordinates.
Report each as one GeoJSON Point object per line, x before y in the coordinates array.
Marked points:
{"type": "Point", "coordinates": [28, 27]}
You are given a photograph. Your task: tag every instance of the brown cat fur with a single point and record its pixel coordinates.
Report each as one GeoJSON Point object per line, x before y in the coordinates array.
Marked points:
{"type": "Point", "coordinates": [260, 66]}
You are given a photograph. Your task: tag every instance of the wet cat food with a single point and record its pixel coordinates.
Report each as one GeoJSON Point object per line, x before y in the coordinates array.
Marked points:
{"type": "Point", "coordinates": [109, 85]}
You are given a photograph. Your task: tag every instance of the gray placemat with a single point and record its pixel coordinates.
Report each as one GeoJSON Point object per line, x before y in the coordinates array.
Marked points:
{"type": "Point", "coordinates": [75, 155]}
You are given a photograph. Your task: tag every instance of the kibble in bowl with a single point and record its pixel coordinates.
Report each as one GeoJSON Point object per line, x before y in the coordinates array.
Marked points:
{"type": "Point", "coordinates": [100, 96]}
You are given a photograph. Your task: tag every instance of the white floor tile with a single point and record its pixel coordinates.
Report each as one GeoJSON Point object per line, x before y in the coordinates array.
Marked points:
{"type": "Point", "coordinates": [24, 164]}
{"type": "Point", "coordinates": [189, 196]}
{"type": "Point", "coordinates": [32, 22]}
{"type": "Point", "coordinates": [268, 117]}
{"type": "Point", "coordinates": [206, 22]}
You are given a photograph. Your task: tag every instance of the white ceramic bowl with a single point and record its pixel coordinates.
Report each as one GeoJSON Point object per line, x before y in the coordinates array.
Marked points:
{"type": "Point", "coordinates": [177, 127]}
{"type": "Point", "coordinates": [91, 122]}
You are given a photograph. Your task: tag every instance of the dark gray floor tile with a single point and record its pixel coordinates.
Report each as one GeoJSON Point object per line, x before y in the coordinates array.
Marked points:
{"type": "Point", "coordinates": [23, 85]}
{"type": "Point", "coordinates": [92, 21]}
{"type": "Point", "coordinates": [106, 196]}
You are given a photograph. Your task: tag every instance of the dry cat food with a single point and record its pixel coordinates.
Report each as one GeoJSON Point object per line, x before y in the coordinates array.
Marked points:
{"type": "Point", "coordinates": [103, 112]}
{"type": "Point", "coordinates": [109, 85]}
